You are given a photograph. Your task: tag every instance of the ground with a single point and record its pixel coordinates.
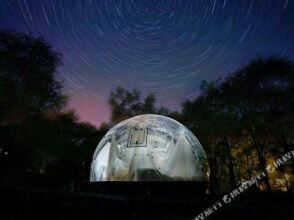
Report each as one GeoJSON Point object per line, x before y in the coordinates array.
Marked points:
{"type": "Point", "coordinates": [45, 204]}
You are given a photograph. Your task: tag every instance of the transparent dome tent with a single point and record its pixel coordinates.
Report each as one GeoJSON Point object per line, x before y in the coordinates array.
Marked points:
{"type": "Point", "coordinates": [149, 148]}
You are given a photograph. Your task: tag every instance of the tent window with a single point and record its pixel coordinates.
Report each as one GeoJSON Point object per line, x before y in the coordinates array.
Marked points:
{"type": "Point", "coordinates": [137, 137]}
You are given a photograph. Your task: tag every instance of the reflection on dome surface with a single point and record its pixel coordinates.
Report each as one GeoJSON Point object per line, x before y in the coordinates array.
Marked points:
{"type": "Point", "coordinates": [149, 148]}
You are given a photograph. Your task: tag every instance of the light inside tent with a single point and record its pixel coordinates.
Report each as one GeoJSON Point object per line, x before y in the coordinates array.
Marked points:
{"type": "Point", "coordinates": [149, 148]}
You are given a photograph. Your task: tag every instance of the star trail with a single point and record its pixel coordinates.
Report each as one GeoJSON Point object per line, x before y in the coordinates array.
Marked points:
{"type": "Point", "coordinates": [165, 47]}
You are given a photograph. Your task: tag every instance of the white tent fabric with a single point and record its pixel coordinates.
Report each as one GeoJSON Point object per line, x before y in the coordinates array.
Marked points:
{"type": "Point", "coordinates": [149, 148]}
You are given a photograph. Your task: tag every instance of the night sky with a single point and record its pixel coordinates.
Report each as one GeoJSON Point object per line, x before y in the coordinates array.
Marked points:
{"type": "Point", "coordinates": [165, 47]}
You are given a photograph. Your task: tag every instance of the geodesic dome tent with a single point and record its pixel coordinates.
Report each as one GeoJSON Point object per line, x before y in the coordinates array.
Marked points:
{"type": "Point", "coordinates": [149, 148]}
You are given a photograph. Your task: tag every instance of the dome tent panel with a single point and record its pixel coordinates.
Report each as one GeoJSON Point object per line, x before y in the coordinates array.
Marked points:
{"type": "Point", "coordinates": [149, 148]}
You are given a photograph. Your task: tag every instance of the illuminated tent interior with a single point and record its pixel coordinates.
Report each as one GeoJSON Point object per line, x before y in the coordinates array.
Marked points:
{"type": "Point", "coordinates": [149, 148]}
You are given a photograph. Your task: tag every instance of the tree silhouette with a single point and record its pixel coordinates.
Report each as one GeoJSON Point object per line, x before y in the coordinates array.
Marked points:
{"type": "Point", "coordinates": [124, 104]}
{"type": "Point", "coordinates": [28, 91]}
{"type": "Point", "coordinates": [252, 106]}
{"type": "Point", "coordinates": [27, 77]}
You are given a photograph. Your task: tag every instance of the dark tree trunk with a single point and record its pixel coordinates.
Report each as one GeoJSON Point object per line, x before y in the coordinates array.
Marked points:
{"type": "Point", "coordinates": [230, 161]}
{"type": "Point", "coordinates": [248, 167]}
{"type": "Point", "coordinates": [288, 147]}
{"type": "Point", "coordinates": [262, 161]}
{"type": "Point", "coordinates": [213, 168]}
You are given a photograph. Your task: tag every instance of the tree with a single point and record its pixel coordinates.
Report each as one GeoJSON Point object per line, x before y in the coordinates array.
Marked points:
{"type": "Point", "coordinates": [251, 109]}
{"type": "Point", "coordinates": [28, 90]}
{"type": "Point", "coordinates": [212, 122]}
{"type": "Point", "coordinates": [124, 104]}
{"type": "Point", "coordinates": [27, 77]}
{"type": "Point", "coordinates": [66, 155]}
{"type": "Point", "coordinates": [263, 97]}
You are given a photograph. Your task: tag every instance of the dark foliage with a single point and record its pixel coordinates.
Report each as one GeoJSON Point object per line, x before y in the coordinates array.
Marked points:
{"type": "Point", "coordinates": [27, 77]}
